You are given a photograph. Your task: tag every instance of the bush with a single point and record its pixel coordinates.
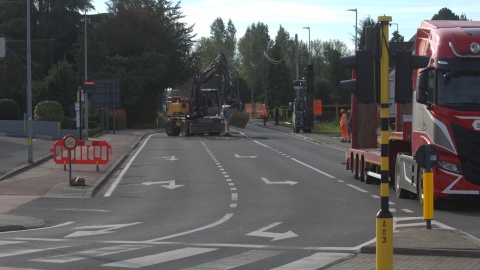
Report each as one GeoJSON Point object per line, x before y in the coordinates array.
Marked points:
{"type": "Point", "coordinates": [69, 123]}
{"type": "Point", "coordinates": [49, 111]}
{"type": "Point", "coordinates": [10, 110]}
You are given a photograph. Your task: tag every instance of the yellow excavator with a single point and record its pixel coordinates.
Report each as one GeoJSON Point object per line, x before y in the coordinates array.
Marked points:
{"type": "Point", "coordinates": [201, 111]}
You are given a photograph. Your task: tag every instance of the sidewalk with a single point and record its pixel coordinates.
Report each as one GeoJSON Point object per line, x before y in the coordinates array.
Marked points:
{"type": "Point", "coordinates": [413, 248]}
{"type": "Point", "coordinates": [44, 178]}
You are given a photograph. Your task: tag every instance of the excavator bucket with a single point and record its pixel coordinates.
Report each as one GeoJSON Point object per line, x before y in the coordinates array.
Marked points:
{"type": "Point", "coordinates": [237, 118]}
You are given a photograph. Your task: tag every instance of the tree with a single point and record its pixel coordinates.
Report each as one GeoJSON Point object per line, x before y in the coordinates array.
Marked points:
{"type": "Point", "coordinates": [279, 80]}
{"type": "Point", "coordinates": [447, 14]}
{"type": "Point", "coordinates": [222, 40]}
{"type": "Point", "coordinates": [60, 85]}
{"type": "Point", "coordinates": [149, 48]}
{"type": "Point", "coordinates": [396, 37]}
{"type": "Point", "coordinates": [251, 47]}
{"type": "Point", "coordinates": [368, 21]}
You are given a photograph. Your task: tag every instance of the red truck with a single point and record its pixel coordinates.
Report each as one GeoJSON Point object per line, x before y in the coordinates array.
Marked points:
{"type": "Point", "coordinates": [444, 112]}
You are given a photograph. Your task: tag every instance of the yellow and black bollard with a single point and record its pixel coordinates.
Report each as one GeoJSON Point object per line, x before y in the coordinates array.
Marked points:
{"type": "Point", "coordinates": [384, 221]}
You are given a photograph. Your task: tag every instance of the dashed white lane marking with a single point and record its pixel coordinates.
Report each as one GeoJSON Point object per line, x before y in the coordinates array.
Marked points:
{"type": "Point", "coordinates": [357, 188]}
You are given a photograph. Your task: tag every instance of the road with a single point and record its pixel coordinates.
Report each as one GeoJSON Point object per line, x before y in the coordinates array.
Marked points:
{"type": "Point", "coordinates": [259, 199]}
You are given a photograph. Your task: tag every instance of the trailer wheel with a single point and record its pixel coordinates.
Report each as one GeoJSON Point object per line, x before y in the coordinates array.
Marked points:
{"type": "Point", "coordinates": [367, 178]}
{"type": "Point", "coordinates": [399, 191]}
{"type": "Point", "coordinates": [356, 167]}
{"type": "Point", "coordinates": [363, 172]}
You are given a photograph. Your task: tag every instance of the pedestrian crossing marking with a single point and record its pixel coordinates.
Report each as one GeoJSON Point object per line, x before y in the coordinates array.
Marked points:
{"type": "Point", "coordinates": [160, 257]}
{"type": "Point", "coordinates": [86, 254]}
{"type": "Point", "coordinates": [236, 260]}
{"type": "Point", "coordinates": [15, 252]}
{"type": "Point", "coordinates": [314, 261]}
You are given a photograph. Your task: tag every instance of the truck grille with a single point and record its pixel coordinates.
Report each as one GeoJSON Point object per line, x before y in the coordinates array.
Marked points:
{"type": "Point", "coordinates": [468, 144]}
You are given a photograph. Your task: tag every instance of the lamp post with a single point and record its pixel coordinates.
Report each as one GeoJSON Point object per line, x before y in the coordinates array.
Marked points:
{"type": "Point", "coordinates": [309, 58]}
{"type": "Point", "coordinates": [356, 29]}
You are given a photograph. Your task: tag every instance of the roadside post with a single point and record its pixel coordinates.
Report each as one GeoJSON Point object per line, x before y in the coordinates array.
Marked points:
{"type": "Point", "coordinates": [427, 156]}
{"type": "Point", "coordinates": [384, 221]}
{"type": "Point", "coordinates": [70, 142]}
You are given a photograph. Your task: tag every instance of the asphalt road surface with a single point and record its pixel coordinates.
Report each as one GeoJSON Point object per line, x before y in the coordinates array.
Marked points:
{"type": "Point", "coordinates": [259, 199]}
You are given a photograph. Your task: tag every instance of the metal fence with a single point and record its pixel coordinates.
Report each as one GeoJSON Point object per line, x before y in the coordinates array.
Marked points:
{"type": "Point", "coordinates": [330, 113]}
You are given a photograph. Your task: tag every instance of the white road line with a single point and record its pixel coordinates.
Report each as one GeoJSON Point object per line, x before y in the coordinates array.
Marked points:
{"type": "Point", "coordinates": [313, 168]}
{"type": "Point", "coordinates": [119, 178]}
{"type": "Point", "coordinates": [10, 242]}
{"type": "Point", "coordinates": [315, 261]}
{"type": "Point", "coordinates": [86, 254]}
{"type": "Point", "coordinates": [236, 260]}
{"type": "Point", "coordinates": [357, 188]}
{"type": "Point", "coordinates": [407, 210]}
{"type": "Point", "coordinates": [160, 257]}
{"type": "Point", "coordinates": [82, 210]}
{"type": "Point", "coordinates": [218, 222]}
{"type": "Point", "coordinates": [43, 228]}
{"type": "Point", "coordinates": [15, 252]}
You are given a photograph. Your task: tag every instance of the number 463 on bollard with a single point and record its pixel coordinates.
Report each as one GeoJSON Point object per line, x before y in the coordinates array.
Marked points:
{"type": "Point", "coordinates": [427, 156]}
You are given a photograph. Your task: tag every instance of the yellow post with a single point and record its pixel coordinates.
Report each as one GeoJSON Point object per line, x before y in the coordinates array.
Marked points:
{"type": "Point", "coordinates": [428, 195]}
{"type": "Point", "coordinates": [384, 221]}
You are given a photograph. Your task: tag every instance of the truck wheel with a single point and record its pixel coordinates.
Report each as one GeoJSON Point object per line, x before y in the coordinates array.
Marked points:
{"type": "Point", "coordinates": [169, 128]}
{"type": "Point", "coordinates": [399, 191]}
{"type": "Point", "coordinates": [420, 186]}
{"type": "Point", "coordinates": [177, 131]}
{"type": "Point", "coordinates": [436, 201]}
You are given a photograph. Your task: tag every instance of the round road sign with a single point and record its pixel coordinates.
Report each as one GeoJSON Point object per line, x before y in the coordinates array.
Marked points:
{"type": "Point", "coordinates": [427, 154]}
{"type": "Point", "coordinates": [70, 142]}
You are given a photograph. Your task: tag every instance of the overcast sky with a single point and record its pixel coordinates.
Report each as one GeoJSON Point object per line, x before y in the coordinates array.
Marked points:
{"type": "Point", "coordinates": [327, 19]}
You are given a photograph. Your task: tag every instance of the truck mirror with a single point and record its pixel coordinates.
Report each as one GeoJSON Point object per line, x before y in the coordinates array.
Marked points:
{"type": "Point", "coordinates": [422, 88]}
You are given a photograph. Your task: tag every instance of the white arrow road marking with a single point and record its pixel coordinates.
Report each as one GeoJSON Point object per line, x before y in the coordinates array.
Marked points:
{"type": "Point", "coordinates": [166, 184]}
{"type": "Point", "coordinates": [101, 229]}
{"type": "Point", "coordinates": [278, 183]}
{"type": "Point", "coordinates": [276, 236]}
{"type": "Point", "coordinates": [237, 156]}
{"type": "Point", "coordinates": [171, 158]}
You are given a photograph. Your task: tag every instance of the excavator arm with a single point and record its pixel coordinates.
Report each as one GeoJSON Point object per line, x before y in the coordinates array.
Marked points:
{"type": "Point", "coordinates": [218, 66]}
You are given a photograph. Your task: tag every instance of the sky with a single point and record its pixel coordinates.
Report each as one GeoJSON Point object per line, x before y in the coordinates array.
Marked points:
{"type": "Point", "coordinates": [327, 19]}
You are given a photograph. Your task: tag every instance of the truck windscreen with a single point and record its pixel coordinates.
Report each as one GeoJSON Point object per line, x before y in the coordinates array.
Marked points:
{"type": "Point", "coordinates": [456, 88]}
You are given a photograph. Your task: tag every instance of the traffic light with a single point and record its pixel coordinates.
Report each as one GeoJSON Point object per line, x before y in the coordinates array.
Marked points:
{"type": "Point", "coordinates": [405, 63]}
{"type": "Point", "coordinates": [363, 86]}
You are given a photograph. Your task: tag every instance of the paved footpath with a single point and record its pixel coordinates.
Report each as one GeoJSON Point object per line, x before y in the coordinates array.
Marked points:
{"type": "Point", "coordinates": [21, 182]}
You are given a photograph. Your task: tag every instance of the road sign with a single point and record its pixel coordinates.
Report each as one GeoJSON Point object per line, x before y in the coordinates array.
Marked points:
{"type": "Point", "coordinates": [89, 87]}
{"type": "Point", "coordinates": [427, 154]}
{"type": "Point", "coordinates": [70, 142]}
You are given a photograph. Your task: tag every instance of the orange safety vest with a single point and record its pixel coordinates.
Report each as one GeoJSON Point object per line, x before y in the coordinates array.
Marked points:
{"type": "Point", "coordinates": [265, 113]}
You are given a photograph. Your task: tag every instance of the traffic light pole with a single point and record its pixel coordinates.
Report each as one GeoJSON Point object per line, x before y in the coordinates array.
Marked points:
{"type": "Point", "coordinates": [384, 220]}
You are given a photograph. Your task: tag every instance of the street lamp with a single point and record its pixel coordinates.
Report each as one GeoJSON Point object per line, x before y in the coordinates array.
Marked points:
{"type": "Point", "coordinates": [356, 29]}
{"type": "Point", "coordinates": [395, 24]}
{"type": "Point", "coordinates": [309, 59]}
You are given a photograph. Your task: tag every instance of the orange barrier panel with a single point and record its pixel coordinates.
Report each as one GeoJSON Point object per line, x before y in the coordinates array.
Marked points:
{"type": "Point", "coordinates": [86, 152]}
